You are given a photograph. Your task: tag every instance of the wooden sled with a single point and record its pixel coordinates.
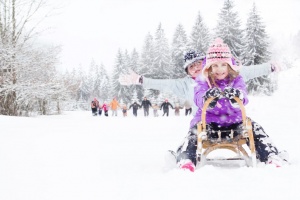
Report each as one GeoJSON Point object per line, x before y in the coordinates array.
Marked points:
{"type": "Point", "coordinates": [207, 145]}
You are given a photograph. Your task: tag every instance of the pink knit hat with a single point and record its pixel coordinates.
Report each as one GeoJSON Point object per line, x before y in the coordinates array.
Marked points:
{"type": "Point", "coordinates": [218, 52]}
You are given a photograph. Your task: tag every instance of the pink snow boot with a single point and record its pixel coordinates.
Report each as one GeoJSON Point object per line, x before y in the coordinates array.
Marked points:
{"type": "Point", "coordinates": [187, 165]}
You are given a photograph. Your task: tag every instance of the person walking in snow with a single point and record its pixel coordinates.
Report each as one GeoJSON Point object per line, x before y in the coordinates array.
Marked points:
{"type": "Point", "coordinates": [188, 108]}
{"type": "Point", "coordinates": [114, 104]}
{"type": "Point", "coordinates": [94, 106]}
{"type": "Point", "coordinates": [165, 106]}
{"type": "Point", "coordinates": [146, 104]}
{"type": "Point", "coordinates": [124, 110]}
{"type": "Point", "coordinates": [155, 108]}
{"type": "Point", "coordinates": [135, 106]}
{"type": "Point", "coordinates": [177, 109]}
{"type": "Point", "coordinates": [220, 79]}
{"type": "Point", "coordinates": [105, 109]}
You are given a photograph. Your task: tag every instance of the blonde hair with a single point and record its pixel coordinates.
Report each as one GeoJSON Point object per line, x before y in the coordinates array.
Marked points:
{"type": "Point", "coordinates": [232, 74]}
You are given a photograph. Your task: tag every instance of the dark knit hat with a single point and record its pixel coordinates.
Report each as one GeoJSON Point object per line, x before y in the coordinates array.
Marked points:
{"type": "Point", "coordinates": [191, 57]}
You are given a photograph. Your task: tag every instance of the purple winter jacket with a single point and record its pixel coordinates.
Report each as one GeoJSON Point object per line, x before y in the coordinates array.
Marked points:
{"type": "Point", "coordinates": [225, 114]}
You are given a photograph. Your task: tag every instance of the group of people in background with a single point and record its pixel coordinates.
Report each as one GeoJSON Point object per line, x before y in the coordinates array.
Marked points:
{"type": "Point", "coordinates": [114, 106]}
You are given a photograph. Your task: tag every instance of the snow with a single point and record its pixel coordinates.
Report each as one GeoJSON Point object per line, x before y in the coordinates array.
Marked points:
{"type": "Point", "coordinates": [77, 156]}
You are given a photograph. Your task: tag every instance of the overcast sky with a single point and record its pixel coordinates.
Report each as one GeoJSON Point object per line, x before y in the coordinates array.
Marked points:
{"type": "Point", "coordinates": [96, 29]}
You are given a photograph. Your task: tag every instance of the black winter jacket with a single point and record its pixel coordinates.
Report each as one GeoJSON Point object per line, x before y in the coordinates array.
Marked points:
{"type": "Point", "coordinates": [146, 104]}
{"type": "Point", "coordinates": [135, 106]}
{"type": "Point", "coordinates": [165, 106]}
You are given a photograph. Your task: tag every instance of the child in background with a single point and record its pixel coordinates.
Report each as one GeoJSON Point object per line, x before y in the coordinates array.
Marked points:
{"type": "Point", "coordinates": [135, 106]}
{"type": "Point", "coordinates": [124, 110]}
{"type": "Point", "coordinates": [155, 110]}
{"type": "Point", "coordinates": [177, 109]}
{"type": "Point", "coordinates": [105, 109]}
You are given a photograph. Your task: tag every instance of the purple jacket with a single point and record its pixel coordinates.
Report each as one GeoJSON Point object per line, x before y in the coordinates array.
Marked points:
{"type": "Point", "coordinates": [225, 114]}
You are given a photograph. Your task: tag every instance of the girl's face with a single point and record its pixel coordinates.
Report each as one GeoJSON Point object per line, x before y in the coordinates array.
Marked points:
{"type": "Point", "coordinates": [220, 70]}
{"type": "Point", "coordinates": [195, 69]}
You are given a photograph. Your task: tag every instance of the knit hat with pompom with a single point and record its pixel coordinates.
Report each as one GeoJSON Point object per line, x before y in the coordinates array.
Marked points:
{"type": "Point", "coordinates": [218, 51]}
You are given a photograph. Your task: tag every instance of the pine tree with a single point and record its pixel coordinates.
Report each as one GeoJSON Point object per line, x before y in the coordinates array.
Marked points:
{"type": "Point", "coordinates": [94, 77]}
{"type": "Point", "coordinates": [85, 88]}
{"type": "Point", "coordinates": [125, 92]}
{"type": "Point", "coordinates": [159, 68]}
{"type": "Point", "coordinates": [178, 49]}
{"type": "Point", "coordinates": [135, 61]}
{"type": "Point", "coordinates": [135, 65]}
{"type": "Point", "coordinates": [147, 56]}
{"type": "Point", "coordinates": [229, 28]}
{"type": "Point", "coordinates": [200, 36]}
{"type": "Point", "coordinates": [256, 45]}
{"type": "Point", "coordinates": [256, 52]}
{"type": "Point", "coordinates": [118, 69]}
{"type": "Point", "coordinates": [105, 88]}
{"type": "Point", "coordinates": [162, 56]}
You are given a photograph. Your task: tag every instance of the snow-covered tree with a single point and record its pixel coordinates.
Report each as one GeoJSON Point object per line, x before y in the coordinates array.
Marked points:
{"type": "Point", "coordinates": [200, 36]}
{"type": "Point", "coordinates": [162, 57]}
{"type": "Point", "coordinates": [29, 81]}
{"type": "Point", "coordinates": [256, 51]}
{"type": "Point", "coordinates": [178, 49]}
{"type": "Point", "coordinates": [162, 62]}
{"type": "Point", "coordinates": [256, 40]}
{"type": "Point", "coordinates": [125, 92]}
{"type": "Point", "coordinates": [118, 68]}
{"type": "Point", "coordinates": [85, 87]}
{"type": "Point", "coordinates": [105, 87]}
{"type": "Point", "coordinates": [134, 61]}
{"type": "Point", "coordinates": [135, 65]}
{"type": "Point", "coordinates": [94, 79]}
{"type": "Point", "coordinates": [72, 81]}
{"type": "Point", "coordinates": [121, 67]}
{"type": "Point", "coordinates": [147, 56]}
{"type": "Point", "coordinates": [229, 28]}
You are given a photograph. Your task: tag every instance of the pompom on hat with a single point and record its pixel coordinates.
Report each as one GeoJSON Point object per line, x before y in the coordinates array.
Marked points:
{"type": "Point", "coordinates": [191, 57]}
{"type": "Point", "coordinates": [218, 51]}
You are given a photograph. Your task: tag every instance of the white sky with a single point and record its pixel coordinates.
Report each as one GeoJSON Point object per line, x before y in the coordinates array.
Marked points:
{"type": "Point", "coordinates": [96, 29]}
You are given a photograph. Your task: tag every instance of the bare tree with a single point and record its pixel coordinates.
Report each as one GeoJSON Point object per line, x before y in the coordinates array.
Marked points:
{"type": "Point", "coordinates": [27, 71]}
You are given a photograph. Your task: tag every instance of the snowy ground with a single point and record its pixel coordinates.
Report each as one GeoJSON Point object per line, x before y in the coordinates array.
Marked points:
{"type": "Point", "coordinates": [77, 156]}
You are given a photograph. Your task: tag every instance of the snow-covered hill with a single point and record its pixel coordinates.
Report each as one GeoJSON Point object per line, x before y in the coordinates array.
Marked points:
{"type": "Point", "coordinates": [79, 157]}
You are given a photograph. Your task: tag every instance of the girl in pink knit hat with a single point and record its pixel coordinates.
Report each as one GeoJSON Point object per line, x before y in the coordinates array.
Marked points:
{"type": "Point", "coordinates": [220, 79]}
